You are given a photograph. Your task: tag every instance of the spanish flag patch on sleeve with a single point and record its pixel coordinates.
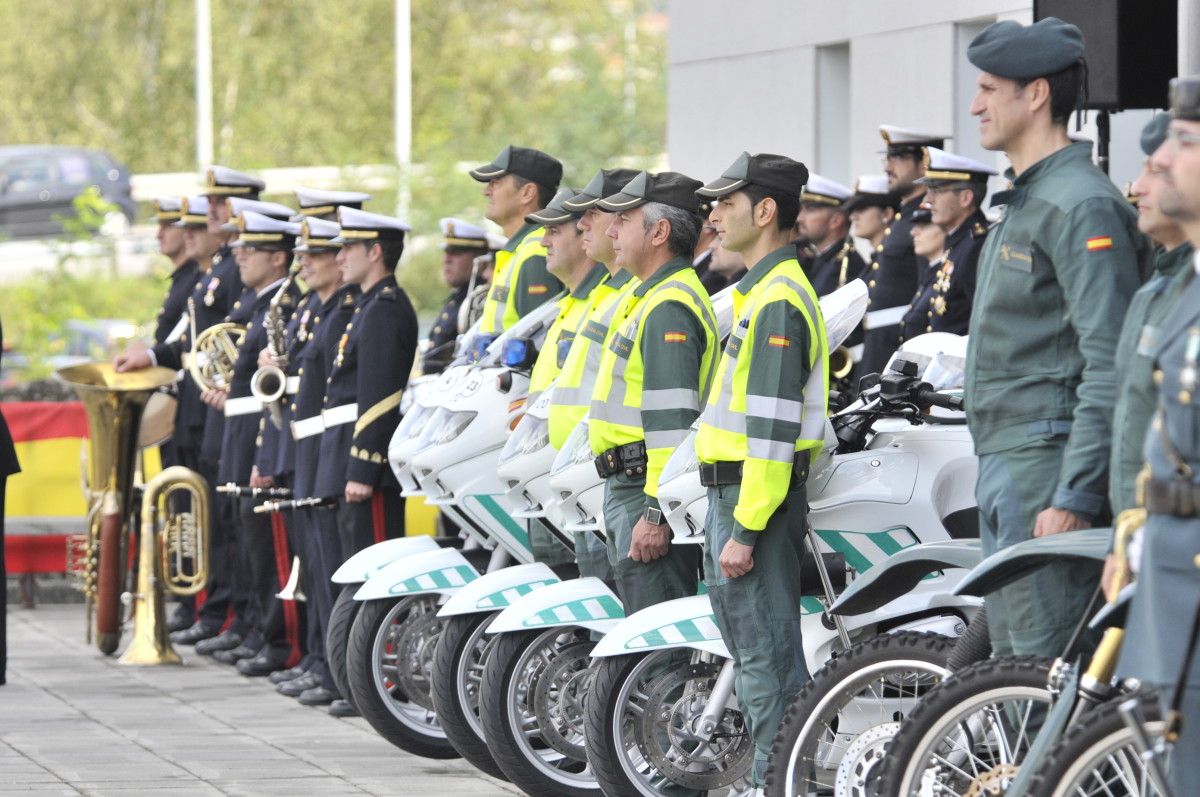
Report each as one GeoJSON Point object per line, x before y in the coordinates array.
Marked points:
{"type": "Point", "coordinates": [778, 340]}
{"type": "Point", "coordinates": [1099, 242]}
{"type": "Point", "coordinates": [675, 337]}
{"type": "Point", "coordinates": [538, 288]}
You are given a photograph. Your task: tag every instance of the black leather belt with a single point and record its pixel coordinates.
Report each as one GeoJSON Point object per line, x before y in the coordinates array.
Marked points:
{"type": "Point", "coordinates": [715, 474]}
{"type": "Point", "coordinates": [629, 459]}
{"type": "Point", "coordinates": [1177, 498]}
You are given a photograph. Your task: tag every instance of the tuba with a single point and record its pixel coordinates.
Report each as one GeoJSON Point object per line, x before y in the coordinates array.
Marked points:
{"type": "Point", "coordinates": [171, 558]}
{"type": "Point", "coordinates": [114, 404]}
{"type": "Point", "coordinates": [214, 352]}
{"type": "Point", "coordinates": [269, 383]}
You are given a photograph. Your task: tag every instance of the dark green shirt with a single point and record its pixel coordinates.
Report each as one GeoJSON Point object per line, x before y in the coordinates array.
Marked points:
{"type": "Point", "coordinates": [1055, 278]}
{"type": "Point", "coordinates": [1137, 393]}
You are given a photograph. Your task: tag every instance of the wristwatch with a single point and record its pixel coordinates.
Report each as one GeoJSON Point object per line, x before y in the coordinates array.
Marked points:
{"type": "Point", "coordinates": [654, 516]}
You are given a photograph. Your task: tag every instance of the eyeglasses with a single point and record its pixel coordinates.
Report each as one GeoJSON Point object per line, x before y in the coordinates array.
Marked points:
{"type": "Point", "coordinates": [1182, 137]}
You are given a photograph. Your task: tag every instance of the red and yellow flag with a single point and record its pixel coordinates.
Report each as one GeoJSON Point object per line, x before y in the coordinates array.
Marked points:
{"type": "Point", "coordinates": [779, 341]}
{"type": "Point", "coordinates": [675, 337]}
{"type": "Point", "coordinates": [1099, 242]}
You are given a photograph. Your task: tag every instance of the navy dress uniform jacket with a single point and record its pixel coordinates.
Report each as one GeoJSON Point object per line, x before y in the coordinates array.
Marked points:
{"type": "Point", "coordinates": [314, 363]}
{"type": "Point", "coordinates": [825, 271]}
{"type": "Point", "coordinates": [943, 303]}
{"type": "Point", "coordinates": [892, 279]}
{"type": "Point", "coordinates": [183, 282]}
{"type": "Point", "coordinates": [240, 432]}
{"type": "Point", "coordinates": [443, 334]}
{"type": "Point", "coordinates": [276, 454]}
{"type": "Point", "coordinates": [382, 337]}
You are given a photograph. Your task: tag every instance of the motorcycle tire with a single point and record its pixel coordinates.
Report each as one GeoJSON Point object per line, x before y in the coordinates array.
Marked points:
{"type": "Point", "coordinates": [341, 620]}
{"type": "Point", "coordinates": [457, 682]}
{"type": "Point", "coordinates": [898, 668]}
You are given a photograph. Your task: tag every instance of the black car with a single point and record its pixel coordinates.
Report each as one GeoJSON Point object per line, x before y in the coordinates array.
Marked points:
{"type": "Point", "coordinates": [38, 182]}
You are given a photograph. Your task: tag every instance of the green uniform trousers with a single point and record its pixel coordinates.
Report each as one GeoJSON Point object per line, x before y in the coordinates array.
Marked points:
{"type": "Point", "coordinates": [547, 548]}
{"type": "Point", "coordinates": [1037, 614]}
{"type": "Point", "coordinates": [759, 613]}
{"type": "Point", "coordinates": [591, 554]}
{"type": "Point", "coordinates": [643, 584]}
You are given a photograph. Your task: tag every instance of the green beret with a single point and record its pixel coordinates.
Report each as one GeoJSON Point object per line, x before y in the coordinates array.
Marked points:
{"type": "Point", "coordinates": [1023, 52]}
{"type": "Point", "coordinates": [1155, 132]}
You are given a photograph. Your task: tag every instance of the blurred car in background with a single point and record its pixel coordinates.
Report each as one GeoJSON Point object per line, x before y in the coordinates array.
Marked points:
{"type": "Point", "coordinates": [79, 342]}
{"type": "Point", "coordinates": [38, 183]}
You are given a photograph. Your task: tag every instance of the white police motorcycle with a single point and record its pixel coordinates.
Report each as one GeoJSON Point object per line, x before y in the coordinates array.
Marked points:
{"type": "Point", "coordinates": [661, 713]}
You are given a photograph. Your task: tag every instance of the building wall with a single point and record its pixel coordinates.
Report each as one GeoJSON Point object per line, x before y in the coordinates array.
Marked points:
{"type": "Point", "coordinates": [767, 76]}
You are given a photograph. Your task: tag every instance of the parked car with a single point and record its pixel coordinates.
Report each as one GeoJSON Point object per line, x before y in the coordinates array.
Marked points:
{"type": "Point", "coordinates": [38, 182]}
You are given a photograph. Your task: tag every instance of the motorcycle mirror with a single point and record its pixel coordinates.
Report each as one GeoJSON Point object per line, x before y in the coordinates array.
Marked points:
{"type": "Point", "coordinates": [868, 382]}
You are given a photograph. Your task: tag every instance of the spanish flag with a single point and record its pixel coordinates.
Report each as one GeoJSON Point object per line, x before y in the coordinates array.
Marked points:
{"type": "Point", "coordinates": [1099, 242]}
{"type": "Point", "coordinates": [675, 337]}
{"type": "Point", "coordinates": [779, 341]}
{"type": "Point", "coordinates": [538, 288]}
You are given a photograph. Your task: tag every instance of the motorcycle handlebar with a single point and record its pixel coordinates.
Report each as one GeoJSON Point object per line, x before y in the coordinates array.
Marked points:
{"type": "Point", "coordinates": [927, 395]}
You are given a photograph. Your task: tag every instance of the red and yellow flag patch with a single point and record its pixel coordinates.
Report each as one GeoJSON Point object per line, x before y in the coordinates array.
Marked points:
{"type": "Point", "coordinates": [675, 337]}
{"type": "Point", "coordinates": [1099, 242]}
{"type": "Point", "coordinates": [779, 341]}
{"type": "Point", "coordinates": [538, 288]}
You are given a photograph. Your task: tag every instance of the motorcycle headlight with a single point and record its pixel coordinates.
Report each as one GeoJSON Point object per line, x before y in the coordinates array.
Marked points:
{"type": "Point", "coordinates": [453, 424]}
{"type": "Point", "coordinates": [532, 434]}
{"type": "Point", "coordinates": [413, 422]}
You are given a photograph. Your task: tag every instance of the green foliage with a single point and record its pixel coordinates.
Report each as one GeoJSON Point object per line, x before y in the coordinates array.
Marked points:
{"type": "Point", "coordinates": [310, 82]}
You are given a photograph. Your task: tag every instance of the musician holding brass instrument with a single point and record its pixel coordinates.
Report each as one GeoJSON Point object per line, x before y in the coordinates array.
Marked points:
{"type": "Point", "coordinates": [201, 350]}
{"type": "Point", "coordinates": [263, 252]}
{"type": "Point", "coordinates": [322, 320]}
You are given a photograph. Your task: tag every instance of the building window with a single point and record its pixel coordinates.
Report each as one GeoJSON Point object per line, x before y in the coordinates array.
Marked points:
{"type": "Point", "coordinates": [833, 112]}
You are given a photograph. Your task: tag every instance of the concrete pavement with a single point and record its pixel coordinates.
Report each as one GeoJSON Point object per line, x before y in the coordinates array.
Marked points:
{"type": "Point", "coordinates": [75, 722]}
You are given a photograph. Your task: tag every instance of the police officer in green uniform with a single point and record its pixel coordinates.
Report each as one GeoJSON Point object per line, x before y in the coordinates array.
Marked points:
{"type": "Point", "coordinates": [762, 427]}
{"type": "Point", "coordinates": [1168, 597]}
{"type": "Point", "coordinates": [1054, 275]}
{"type": "Point", "coordinates": [519, 181]}
{"type": "Point", "coordinates": [894, 274]}
{"type": "Point", "coordinates": [653, 375]}
{"type": "Point", "coordinates": [577, 374]}
{"type": "Point", "coordinates": [567, 261]}
{"type": "Point", "coordinates": [1137, 393]}
{"type": "Point", "coordinates": [956, 188]}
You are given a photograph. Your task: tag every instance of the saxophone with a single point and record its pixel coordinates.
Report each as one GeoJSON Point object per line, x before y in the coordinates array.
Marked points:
{"type": "Point", "coordinates": [269, 383]}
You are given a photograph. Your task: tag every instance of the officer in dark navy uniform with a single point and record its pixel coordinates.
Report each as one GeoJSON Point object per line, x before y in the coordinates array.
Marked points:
{"type": "Point", "coordinates": [825, 223]}
{"type": "Point", "coordinates": [463, 242]}
{"type": "Point", "coordinates": [263, 252]}
{"type": "Point", "coordinates": [317, 203]}
{"type": "Point", "coordinates": [171, 319]}
{"type": "Point", "coordinates": [956, 189]}
{"type": "Point", "coordinates": [335, 303]}
{"type": "Point", "coordinates": [362, 405]}
{"type": "Point", "coordinates": [211, 300]}
{"type": "Point", "coordinates": [894, 274]}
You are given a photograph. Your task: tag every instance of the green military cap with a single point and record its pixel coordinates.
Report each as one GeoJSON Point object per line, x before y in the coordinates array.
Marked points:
{"type": "Point", "coordinates": [1022, 52]}
{"type": "Point", "coordinates": [605, 182]}
{"type": "Point", "coordinates": [532, 164]}
{"type": "Point", "coordinates": [1185, 98]}
{"type": "Point", "coordinates": [669, 188]}
{"type": "Point", "coordinates": [556, 212]}
{"type": "Point", "coordinates": [1155, 132]}
{"type": "Point", "coordinates": [773, 172]}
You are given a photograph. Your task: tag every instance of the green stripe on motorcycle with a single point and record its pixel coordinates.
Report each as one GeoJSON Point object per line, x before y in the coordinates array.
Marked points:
{"type": "Point", "coordinates": [578, 610]}
{"type": "Point", "coordinates": [498, 600]}
{"type": "Point", "coordinates": [441, 579]}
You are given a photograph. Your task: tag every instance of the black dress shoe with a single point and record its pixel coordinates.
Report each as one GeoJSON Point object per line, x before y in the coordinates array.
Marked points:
{"type": "Point", "coordinates": [182, 618]}
{"type": "Point", "coordinates": [224, 641]}
{"type": "Point", "coordinates": [317, 696]}
{"type": "Point", "coordinates": [343, 708]}
{"type": "Point", "coordinates": [290, 674]}
{"type": "Point", "coordinates": [242, 651]}
{"type": "Point", "coordinates": [294, 687]}
{"type": "Point", "coordinates": [265, 663]}
{"type": "Point", "coordinates": [198, 632]}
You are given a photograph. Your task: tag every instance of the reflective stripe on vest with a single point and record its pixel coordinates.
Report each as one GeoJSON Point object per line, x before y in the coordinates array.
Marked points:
{"type": "Point", "coordinates": [499, 309]}
{"type": "Point", "coordinates": [611, 409]}
{"type": "Point", "coordinates": [723, 426]}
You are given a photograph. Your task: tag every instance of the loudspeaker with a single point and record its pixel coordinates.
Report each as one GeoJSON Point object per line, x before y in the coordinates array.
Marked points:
{"type": "Point", "coordinates": [1130, 47]}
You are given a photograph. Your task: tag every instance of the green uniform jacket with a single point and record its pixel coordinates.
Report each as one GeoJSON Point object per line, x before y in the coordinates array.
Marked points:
{"type": "Point", "coordinates": [1137, 394]}
{"type": "Point", "coordinates": [1055, 276]}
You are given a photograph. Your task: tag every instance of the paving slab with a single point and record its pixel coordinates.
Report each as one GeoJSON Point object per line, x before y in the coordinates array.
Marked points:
{"type": "Point", "coordinates": [75, 722]}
